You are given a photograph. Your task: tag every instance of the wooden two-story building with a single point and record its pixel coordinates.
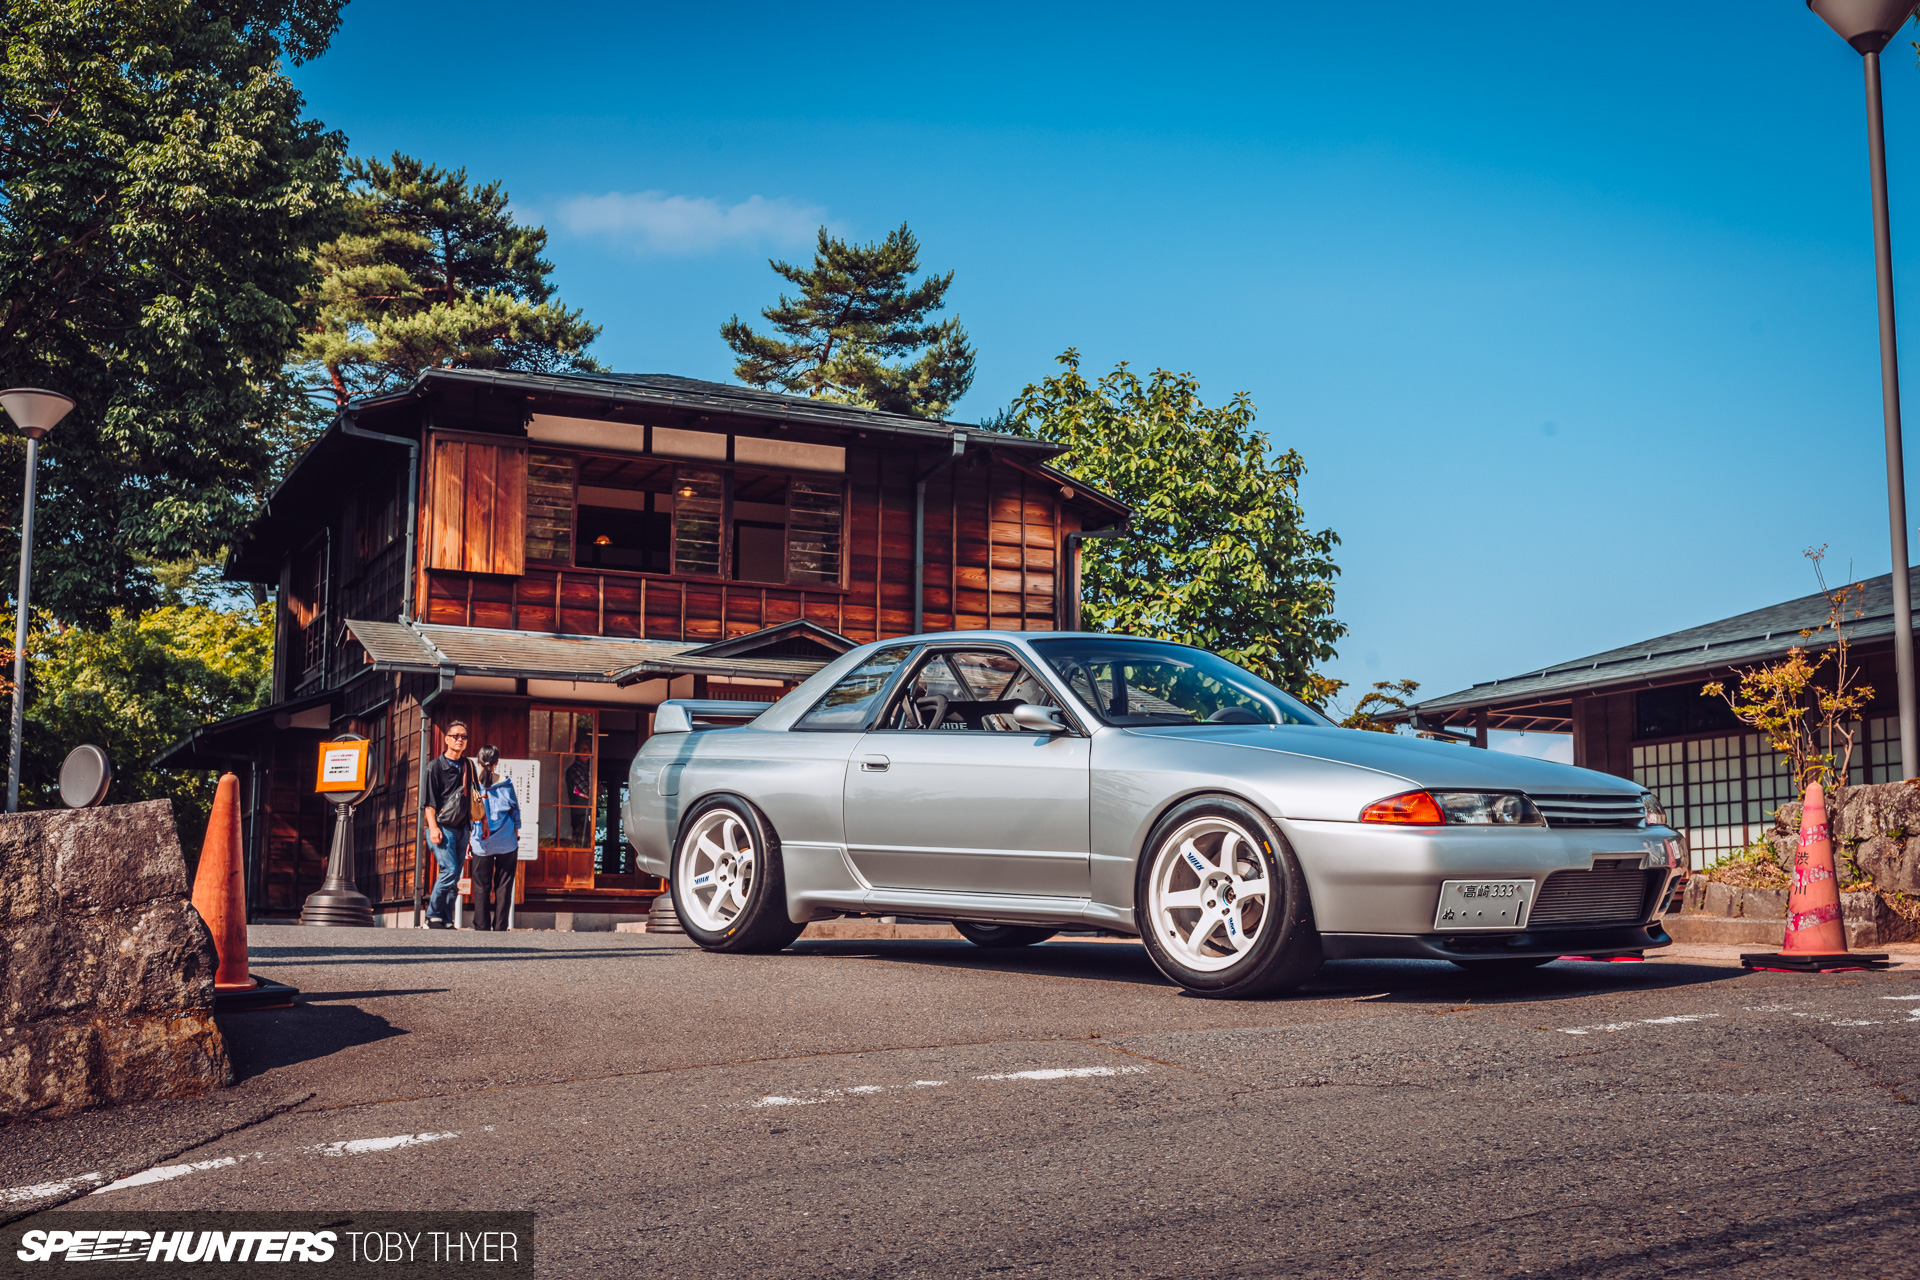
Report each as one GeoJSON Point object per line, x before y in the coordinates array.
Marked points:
{"type": "Point", "coordinates": [550, 557]}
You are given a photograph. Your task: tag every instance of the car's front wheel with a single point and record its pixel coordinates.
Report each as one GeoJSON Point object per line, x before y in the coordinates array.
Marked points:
{"type": "Point", "coordinates": [728, 887]}
{"type": "Point", "coordinates": [1221, 904]}
{"type": "Point", "coordinates": [997, 936]}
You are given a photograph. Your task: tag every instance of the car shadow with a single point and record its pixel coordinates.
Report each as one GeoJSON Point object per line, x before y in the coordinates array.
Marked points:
{"type": "Point", "coordinates": [1418, 982]}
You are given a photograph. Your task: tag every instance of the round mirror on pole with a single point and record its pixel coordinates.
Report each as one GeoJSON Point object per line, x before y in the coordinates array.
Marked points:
{"type": "Point", "coordinates": [1867, 25]}
{"type": "Point", "coordinates": [85, 776]}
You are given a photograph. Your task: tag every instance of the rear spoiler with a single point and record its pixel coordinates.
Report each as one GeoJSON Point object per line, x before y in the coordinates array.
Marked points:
{"type": "Point", "coordinates": [684, 715]}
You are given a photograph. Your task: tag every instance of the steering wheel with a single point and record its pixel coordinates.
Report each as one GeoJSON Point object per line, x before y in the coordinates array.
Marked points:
{"type": "Point", "coordinates": [931, 710]}
{"type": "Point", "coordinates": [1234, 715]}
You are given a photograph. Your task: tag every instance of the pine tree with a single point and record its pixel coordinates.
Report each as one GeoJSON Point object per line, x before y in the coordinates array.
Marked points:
{"type": "Point", "coordinates": [853, 332]}
{"type": "Point", "coordinates": [433, 270]}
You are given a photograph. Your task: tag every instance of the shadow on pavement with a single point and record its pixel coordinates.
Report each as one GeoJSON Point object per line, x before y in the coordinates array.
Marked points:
{"type": "Point", "coordinates": [389, 955]}
{"type": "Point", "coordinates": [1382, 981]}
{"type": "Point", "coordinates": [315, 997]}
{"type": "Point", "coordinates": [260, 1042]}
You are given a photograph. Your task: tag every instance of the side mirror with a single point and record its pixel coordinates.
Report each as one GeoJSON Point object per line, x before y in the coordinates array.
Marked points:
{"type": "Point", "coordinates": [1038, 719]}
{"type": "Point", "coordinates": [672, 718]}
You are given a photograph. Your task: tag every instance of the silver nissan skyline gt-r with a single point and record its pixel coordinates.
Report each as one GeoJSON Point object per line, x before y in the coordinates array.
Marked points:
{"type": "Point", "coordinates": [1018, 784]}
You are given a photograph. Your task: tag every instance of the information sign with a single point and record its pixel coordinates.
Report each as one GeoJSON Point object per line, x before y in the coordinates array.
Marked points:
{"type": "Point", "coordinates": [343, 766]}
{"type": "Point", "coordinates": [525, 775]}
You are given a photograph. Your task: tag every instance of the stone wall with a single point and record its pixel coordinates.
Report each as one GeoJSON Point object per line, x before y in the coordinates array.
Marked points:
{"type": "Point", "coordinates": [106, 970]}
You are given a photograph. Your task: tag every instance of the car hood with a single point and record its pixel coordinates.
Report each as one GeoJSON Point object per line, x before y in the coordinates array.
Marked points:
{"type": "Point", "coordinates": [1421, 762]}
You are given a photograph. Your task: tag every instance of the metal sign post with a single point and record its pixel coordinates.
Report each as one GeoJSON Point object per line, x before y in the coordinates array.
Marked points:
{"type": "Point", "coordinates": [342, 781]}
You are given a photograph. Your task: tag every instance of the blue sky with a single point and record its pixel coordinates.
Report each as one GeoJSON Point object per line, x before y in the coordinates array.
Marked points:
{"type": "Point", "coordinates": [1569, 308]}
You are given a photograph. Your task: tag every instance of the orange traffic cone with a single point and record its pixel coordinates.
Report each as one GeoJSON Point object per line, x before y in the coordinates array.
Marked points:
{"type": "Point", "coordinates": [1816, 932]}
{"type": "Point", "coordinates": [220, 896]}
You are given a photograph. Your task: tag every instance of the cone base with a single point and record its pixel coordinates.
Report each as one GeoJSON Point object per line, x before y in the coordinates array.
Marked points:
{"type": "Point", "coordinates": [1805, 962]}
{"type": "Point", "coordinates": [265, 993]}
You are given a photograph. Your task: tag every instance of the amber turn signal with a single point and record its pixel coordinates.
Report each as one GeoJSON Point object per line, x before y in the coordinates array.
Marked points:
{"type": "Point", "coordinates": [1414, 809]}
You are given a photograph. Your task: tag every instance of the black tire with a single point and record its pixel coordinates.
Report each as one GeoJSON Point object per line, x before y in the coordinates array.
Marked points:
{"type": "Point", "coordinates": [1285, 947]}
{"type": "Point", "coordinates": [1504, 966]}
{"type": "Point", "coordinates": [761, 923]}
{"type": "Point", "coordinates": [1000, 936]}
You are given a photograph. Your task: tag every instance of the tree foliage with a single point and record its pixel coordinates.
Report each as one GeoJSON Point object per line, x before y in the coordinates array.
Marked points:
{"type": "Point", "coordinates": [853, 332]}
{"type": "Point", "coordinates": [433, 270]}
{"type": "Point", "coordinates": [160, 195]}
{"type": "Point", "coordinates": [1218, 553]}
{"type": "Point", "coordinates": [1809, 722]}
{"type": "Point", "coordinates": [135, 686]}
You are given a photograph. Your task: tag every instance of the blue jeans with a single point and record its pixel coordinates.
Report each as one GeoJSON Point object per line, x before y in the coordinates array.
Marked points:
{"type": "Point", "coordinates": [448, 855]}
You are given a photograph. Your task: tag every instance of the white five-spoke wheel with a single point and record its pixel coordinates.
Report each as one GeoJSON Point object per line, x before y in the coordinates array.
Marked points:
{"type": "Point", "coordinates": [1209, 897]}
{"type": "Point", "coordinates": [728, 884]}
{"type": "Point", "coordinates": [1221, 903]}
{"type": "Point", "coordinates": [718, 861]}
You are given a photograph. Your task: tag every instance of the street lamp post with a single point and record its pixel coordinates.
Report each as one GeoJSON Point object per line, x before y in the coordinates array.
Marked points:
{"type": "Point", "coordinates": [35, 412]}
{"type": "Point", "coordinates": [1868, 25]}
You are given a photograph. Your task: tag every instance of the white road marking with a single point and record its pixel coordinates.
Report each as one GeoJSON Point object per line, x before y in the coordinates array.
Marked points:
{"type": "Point", "coordinates": [1064, 1073]}
{"type": "Point", "coordinates": [813, 1097]}
{"type": "Point", "coordinates": [1639, 1022]}
{"type": "Point", "coordinates": [1900, 997]}
{"type": "Point", "coordinates": [41, 1189]}
{"type": "Point", "coordinates": [166, 1173]}
{"type": "Point", "coordinates": [361, 1146]}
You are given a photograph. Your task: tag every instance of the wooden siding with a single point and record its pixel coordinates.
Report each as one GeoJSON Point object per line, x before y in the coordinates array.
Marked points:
{"type": "Point", "coordinates": [993, 550]}
{"type": "Point", "coordinates": [477, 519]}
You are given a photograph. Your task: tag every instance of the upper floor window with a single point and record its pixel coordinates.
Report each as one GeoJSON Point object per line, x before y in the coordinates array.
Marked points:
{"type": "Point", "coordinates": [657, 515]}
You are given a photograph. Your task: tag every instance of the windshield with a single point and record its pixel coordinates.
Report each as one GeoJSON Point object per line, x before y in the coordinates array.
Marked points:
{"type": "Point", "coordinates": [1144, 682]}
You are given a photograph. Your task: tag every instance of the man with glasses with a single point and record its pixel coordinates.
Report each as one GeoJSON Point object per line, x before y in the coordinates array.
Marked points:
{"type": "Point", "coordinates": [444, 809]}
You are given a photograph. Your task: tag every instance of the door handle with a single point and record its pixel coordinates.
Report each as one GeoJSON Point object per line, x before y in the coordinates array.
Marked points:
{"type": "Point", "coordinates": [874, 764]}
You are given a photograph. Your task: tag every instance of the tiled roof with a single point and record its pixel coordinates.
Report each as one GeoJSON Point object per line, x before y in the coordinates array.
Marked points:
{"type": "Point", "coordinates": [1698, 651]}
{"type": "Point", "coordinates": [395, 646]}
{"type": "Point", "coordinates": [692, 664]}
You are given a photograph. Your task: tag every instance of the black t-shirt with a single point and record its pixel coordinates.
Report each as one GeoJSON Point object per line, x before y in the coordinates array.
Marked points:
{"type": "Point", "coordinates": [447, 790]}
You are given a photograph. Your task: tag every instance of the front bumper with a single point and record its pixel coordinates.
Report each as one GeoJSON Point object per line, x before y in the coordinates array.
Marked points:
{"type": "Point", "coordinates": [1599, 941]}
{"type": "Point", "coordinates": [1368, 879]}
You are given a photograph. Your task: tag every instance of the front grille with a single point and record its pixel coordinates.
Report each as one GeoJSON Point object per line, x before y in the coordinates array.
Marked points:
{"type": "Point", "coordinates": [1572, 811]}
{"type": "Point", "coordinates": [1616, 891]}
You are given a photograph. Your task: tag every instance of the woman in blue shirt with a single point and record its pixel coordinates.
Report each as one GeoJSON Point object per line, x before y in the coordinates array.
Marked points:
{"type": "Point", "coordinates": [495, 843]}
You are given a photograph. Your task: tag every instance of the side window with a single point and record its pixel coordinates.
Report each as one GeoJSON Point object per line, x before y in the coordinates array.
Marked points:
{"type": "Point", "coordinates": [850, 704]}
{"type": "Point", "coordinates": [967, 690]}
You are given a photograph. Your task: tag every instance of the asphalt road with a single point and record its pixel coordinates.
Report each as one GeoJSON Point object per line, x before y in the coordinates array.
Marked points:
{"type": "Point", "coordinates": [900, 1109]}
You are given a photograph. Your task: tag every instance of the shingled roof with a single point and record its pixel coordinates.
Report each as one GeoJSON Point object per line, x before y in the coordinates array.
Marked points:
{"type": "Point", "coordinates": [1743, 639]}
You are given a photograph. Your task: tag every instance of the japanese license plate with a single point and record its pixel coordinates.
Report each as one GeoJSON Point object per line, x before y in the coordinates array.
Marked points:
{"type": "Point", "coordinates": [1483, 904]}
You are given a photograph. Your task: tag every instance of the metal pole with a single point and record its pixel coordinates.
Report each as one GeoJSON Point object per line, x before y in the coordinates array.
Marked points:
{"type": "Point", "coordinates": [20, 631]}
{"type": "Point", "coordinates": [1890, 404]}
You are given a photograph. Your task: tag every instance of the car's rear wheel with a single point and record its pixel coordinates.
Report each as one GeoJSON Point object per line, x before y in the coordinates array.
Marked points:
{"type": "Point", "coordinates": [728, 886]}
{"type": "Point", "coordinates": [998, 936]}
{"type": "Point", "coordinates": [1221, 904]}
{"type": "Point", "coordinates": [1507, 966]}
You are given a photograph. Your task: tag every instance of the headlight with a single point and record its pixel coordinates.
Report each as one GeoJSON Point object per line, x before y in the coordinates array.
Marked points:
{"type": "Point", "coordinates": [1447, 808]}
{"type": "Point", "coordinates": [1656, 816]}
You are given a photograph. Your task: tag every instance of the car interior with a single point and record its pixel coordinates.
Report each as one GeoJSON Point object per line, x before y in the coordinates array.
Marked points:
{"type": "Point", "coordinates": [967, 689]}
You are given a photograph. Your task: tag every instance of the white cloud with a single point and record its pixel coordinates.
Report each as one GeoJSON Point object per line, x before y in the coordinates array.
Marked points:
{"type": "Point", "coordinates": [655, 222]}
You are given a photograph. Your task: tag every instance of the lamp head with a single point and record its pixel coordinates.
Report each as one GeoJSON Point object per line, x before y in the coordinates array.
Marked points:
{"type": "Point", "coordinates": [1867, 25]}
{"type": "Point", "coordinates": [33, 410]}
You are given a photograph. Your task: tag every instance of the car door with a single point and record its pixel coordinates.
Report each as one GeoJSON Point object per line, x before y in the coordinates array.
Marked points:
{"type": "Point", "coordinates": [946, 792]}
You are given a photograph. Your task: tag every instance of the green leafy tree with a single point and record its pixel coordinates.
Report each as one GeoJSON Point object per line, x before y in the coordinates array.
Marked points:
{"type": "Point", "coordinates": [433, 270]}
{"type": "Point", "coordinates": [853, 332]}
{"type": "Point", "coordinates": [135, 686]}
{"type": "Point", "coordinates": [1218, 554]}
{"type": "Point", "coordinates": [160, 196]}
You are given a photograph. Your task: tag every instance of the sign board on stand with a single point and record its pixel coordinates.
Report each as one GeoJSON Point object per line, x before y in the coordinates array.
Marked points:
{"type": "Point", "coordinates": [525, 776]}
